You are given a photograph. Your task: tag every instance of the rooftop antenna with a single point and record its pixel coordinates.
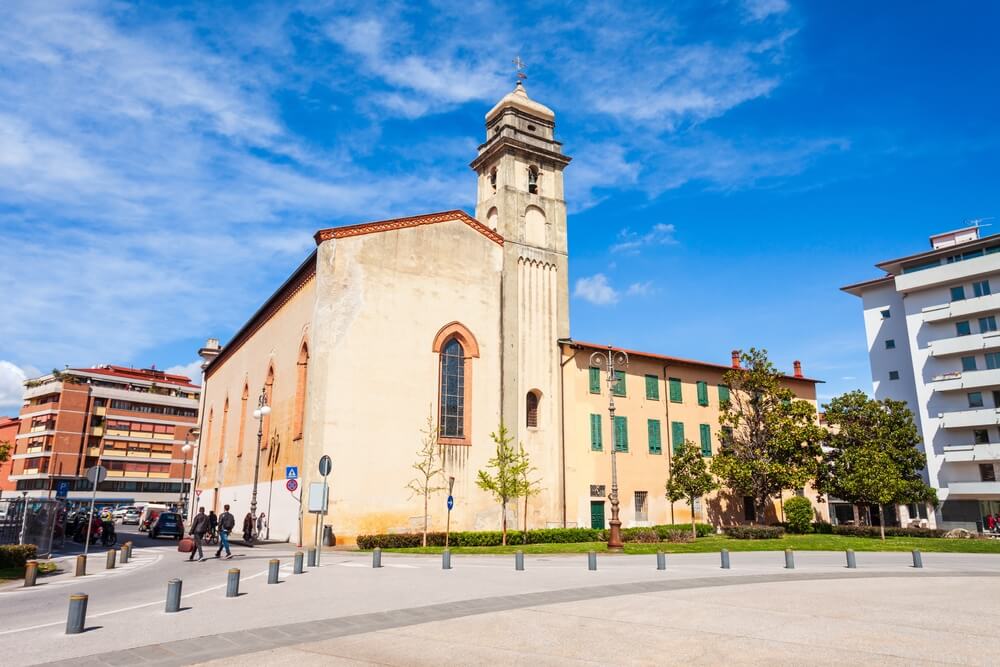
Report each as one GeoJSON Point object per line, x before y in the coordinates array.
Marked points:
{"type": "Point", "coordinates": [978, 221]}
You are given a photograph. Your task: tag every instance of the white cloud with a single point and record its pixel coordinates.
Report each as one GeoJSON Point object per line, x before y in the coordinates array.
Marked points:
{"type": "Point", "coordinates": [758, 10]}
{"type": "Point", "coordinates": [596, 290]}
{"type": "Point", "coordinates": [191, 370]}
{"type": "Point", "coordinates": [630, 242]}
{"type": "Point", "coordinates": [641, 289]}
{"type": "Point", "coordinates": [12, 379]}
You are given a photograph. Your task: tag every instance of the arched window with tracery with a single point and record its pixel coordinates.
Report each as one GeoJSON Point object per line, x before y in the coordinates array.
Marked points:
{"type": "Point", "coordinates": [302, 371]}
{"type": "Point", "coordinates": [456, 347]}
{"type": "Point", "coordinates": [531, 409]}
{"type": "Point", "coordinates": [269, 397]}
{"type": "Point", "coordinates": [222, 435]}
{"type": "Point", "coordinates": [242, 432]}
{"type": "Point", "coordinates": [208, 440]}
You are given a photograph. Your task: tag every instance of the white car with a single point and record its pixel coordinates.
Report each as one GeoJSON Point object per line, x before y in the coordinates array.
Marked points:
{"type": "Point", "coordinates": [131, 516]}
{"type": "Point", "coordinates": [119, 513]}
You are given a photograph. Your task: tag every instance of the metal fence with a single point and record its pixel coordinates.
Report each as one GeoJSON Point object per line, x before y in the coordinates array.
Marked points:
{"type": "Point", "coordinates": [37, 521]}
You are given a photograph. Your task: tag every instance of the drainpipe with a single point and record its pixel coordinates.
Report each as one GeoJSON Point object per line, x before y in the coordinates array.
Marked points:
{"type": "Point", "coordinates": [670, 434]}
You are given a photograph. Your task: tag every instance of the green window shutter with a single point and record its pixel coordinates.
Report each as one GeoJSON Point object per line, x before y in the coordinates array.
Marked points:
{"type": "Point", "coordinates": [595, 380]}
{"type": "Point", "coordinates": [723, 394]}
{"type": "Point", "coordinates": [595, 433]}
{"type": "Point", "coordinates": [706, 439]}
{"type": "Point", "coordinates": [621, 434]}
{"type": "Point", "coordinates": [619, 387]}
{"type": "Point", "coordinates": [675, 390]}
{"type": "Point", "coordinates": [653, 428]}
{"type": "Point", "coordinates": [652, 388]}
{"type": "Point", "coordinates": [677, 436]}
{"type": "Point", "coordinates": [702, 393]}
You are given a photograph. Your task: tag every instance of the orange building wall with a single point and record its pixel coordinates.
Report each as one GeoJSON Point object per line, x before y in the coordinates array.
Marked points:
{"type": "Point", "coordinates": [8, 433]}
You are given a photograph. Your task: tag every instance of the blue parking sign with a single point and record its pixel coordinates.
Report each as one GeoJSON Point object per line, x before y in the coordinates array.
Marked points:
{"type": "Point", "coordinates": [291, 472]}
{"type": "Point", "coordinates": [62, 490]}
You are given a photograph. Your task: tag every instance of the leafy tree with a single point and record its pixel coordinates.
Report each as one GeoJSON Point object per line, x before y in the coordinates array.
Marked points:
{"type": "Point", "coordinates": [506, 482]}
{"type": "Point", "coordinates": [770, 438]}
{"type": "Point", "coordinates": [799, 514]}
{"type": "Point", "coordinates": [689, 478]}
{"type": "Point", "coordinates": [430, 469]}
{"type": "Point", "coordinates": [529, 486]}
{"type": "Point", "coordinates": [873, 454]}
{"type": "Point", "coordinates": [5, 449]}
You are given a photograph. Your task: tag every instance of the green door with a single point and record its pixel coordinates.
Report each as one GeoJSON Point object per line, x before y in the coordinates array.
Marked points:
{"type": "Point", "coordinates": [597, 514]}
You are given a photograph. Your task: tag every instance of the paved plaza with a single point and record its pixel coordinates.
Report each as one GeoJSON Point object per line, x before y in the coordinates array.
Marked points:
{"type": "Point", "coordinates": [484, 612]}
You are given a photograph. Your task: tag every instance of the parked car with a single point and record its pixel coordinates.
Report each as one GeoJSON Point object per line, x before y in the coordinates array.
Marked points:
{"type": "Point", "coordinates": [167, 524]}
{"type": "Point", "coordinates": [147, 517]}
{"type": "Point", "coordinates": [119, 512]}
{"type": "Point", "coordinates": [131, 516]}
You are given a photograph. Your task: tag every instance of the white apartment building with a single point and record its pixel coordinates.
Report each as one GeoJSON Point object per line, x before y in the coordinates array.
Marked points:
{"type": "Point", "coordinates": [931, 324]}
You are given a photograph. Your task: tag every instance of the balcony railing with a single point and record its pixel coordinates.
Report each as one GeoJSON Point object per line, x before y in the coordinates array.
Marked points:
{"type": "Point", "coordinates": [963, 308]}
{"type": "Point", "coordinates": [973, 488]}
{"type": "Point", "coordinates": [970, 418]}
{"type": "Point", "coordinates": [966, 453]}
{"type": "Point", "coordinates": [964, 344]}
{"type": "Point", "coordinates": [959, 380]}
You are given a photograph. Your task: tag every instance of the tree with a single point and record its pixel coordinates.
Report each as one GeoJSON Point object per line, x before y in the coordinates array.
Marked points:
{"type": "Point", "coordinates": [873, 454]}
{"type": "Point", "coordinates": [506, 482]}
{"type": "Point", "coordinates": [770, 438]}
{"type": "Point", "coordinates": [689, 478]}
{"type": "Point", "coordinates": [529, 487]}
{"type": "Point", "coordinates": [430, 469]}
{"type": "Point", "coordinates": [5, 449]}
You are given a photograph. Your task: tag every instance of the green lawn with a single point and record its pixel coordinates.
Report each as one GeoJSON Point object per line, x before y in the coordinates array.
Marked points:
{"type": "Point", "coordinates": [12, 573]}
{"type": "Point", "coordinates": [717, 542]}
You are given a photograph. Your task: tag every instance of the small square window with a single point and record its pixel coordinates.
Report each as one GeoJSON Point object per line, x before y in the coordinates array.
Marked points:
{"type": "Point", "coordinates": [981, 288]}
{"type": "Point", "coordinates": [962, 328]}
{"type": "Point", "coordinates": [975, 399]}
{"type": "Point", "coordinates": [987, 472]}
{"type": "Point", "coordinates": [996, 398]}
{"type": "Point", "coordinates": [890, 344]}
{"type": "Point", "coordinates": [886, 314]}
{"type": "Point", "coordinates": [981, 436]}
{"type": "Point", "coordinates": [893, 375]}
{"type": "Point", "coordinates": [968, 363]}
{"type": "Point", "coordinates": [957, 293]}
{"type": "Point", "coordinates": [987, 324]}
{"type": "Point", "coordinates": [993, 360]}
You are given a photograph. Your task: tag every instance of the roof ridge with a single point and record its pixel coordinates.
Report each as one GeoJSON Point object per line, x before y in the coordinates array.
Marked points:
{"type": "Point", "coordinates": [392, 224]}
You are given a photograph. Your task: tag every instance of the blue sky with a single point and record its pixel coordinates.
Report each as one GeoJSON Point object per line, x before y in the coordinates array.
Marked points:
{"type": "Point", "coordinates": [163, 165]}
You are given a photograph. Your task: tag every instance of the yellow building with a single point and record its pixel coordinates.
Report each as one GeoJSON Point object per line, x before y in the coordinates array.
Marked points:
{"type": "Point", "coordinates": [461, 319]}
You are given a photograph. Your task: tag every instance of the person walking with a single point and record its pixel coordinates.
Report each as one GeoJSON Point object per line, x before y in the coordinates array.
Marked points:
{"type": "Point", "coordinates": [213, 522]}
{"type": "Point", "coordinates": [248, 529]}
{"type": "Point", "coordinates": [261, 524]}
{"type": "Point", "coordinates": [226, 524]}
{"type": "Point", "coordinates": [199, 526]}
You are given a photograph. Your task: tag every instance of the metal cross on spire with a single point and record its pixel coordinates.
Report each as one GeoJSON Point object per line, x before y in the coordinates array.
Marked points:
{"type": "Point", "coordinates": [519, 68]}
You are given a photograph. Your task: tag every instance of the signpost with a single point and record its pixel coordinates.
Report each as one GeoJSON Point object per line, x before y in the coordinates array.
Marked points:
{"type": "Point", "coordinates": [62, 490]}
{"type": "Point", "coordinates": [291, 485]}
{"type": "Point", "coordinates": [95, 475]}
{"type": "Point", "coordinates": [325, 466]}
{"type": "Point", "coordinates": [451, 504]}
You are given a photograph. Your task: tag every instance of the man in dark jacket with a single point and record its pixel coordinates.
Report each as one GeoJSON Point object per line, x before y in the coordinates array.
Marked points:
{"type": "Point", "coordinates": [226, 524]}
{"type": "Point", "coordinates": [199, 526]}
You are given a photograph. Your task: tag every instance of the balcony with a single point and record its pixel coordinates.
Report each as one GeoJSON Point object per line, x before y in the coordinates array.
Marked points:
{"type": "Point", "coordinates": [43, 390]}
{"type": "Point", "coordinates": [966, 380]}
{"type": "Point", "coordinates": [946, 274]}
{"type": "Point", "coordinates": [973, 489]}
{"type": "Point", "coordinates": [965, 344]}
{"type": "Point", "coordinates": [970, 418]}
{"type": "Point", "coordinates": [967, 453]}
{"type": "Point", "coordinates": [32, 453]}
{"type": "Point", "coordinates": [964, 308]}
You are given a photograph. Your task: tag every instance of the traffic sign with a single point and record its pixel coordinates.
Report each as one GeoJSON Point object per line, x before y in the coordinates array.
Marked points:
{"type": "Point", "coordinates": [197, 493]}
{"type": "Point", "coordinates": [451, 502]}
{"type": "Point", "coordinates": [292, 484]}
{"type": "Point", "coordinates": [319, 497]}
{"type": "Point", "coordinates": [325, 465]}
{"type": "Point", "coordinates": [97, 474]}
{"type": "Point", "coordinates": [291, 472]}
{"type": "Point", "coordinates": [62, 490]}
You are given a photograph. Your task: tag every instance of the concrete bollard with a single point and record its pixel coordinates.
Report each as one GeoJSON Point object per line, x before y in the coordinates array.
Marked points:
{"type": "Point", "coordinates": [918, 560]}
{"type": "Point", "coordinates": [297, 567]}
{"type": "Point", "coordinates": [591, 560]}
{"type": "Point", "coordinates": [377, 557]}
{"type": "Point", "coordinates": [519, 560]}
{"type": "Point", "coordinates": [789, 560]}
{"type": "Point", "coordinates": [446, 559]}
{"type": "Point", "coordinates": [851, 563]}
{"type": "Point", "coordinates": [661, 560]}
{"type": "Point", "coordinates": [173, 596]}
{"type": "Point", "coordinates": [233, 583]}
{"type": "Point", "coordinates": [109, 561]}
{"type": "Point", "coordinates": [81, 566]}
{"type": "Point", "coordinates": [30, 572]}
{"type": "Point", "coordinates": [272, 570]}
{"type": "Point", "coordinates": [725, 559]}
{"type": "Point", "coordinates": [77, 617]}
{"type": "Point", "coordinates": [123, 554]}
{"type": "Point", "coordinates": [312, 557]}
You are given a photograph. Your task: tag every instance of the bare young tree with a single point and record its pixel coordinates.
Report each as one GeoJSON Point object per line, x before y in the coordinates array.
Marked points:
{"type": "Point", "coordinates": [430, 469]}
{"type": "Point", "coordinates": [530, 486]}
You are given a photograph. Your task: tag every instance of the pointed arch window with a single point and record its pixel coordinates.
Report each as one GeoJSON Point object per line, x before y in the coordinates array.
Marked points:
{"type": "Point", "coordinates": [222, 435]}
{"type": "Point", "coordinates": [531, 409]}
{"type": "Point", "coordinates": [533, 179]}
{"type": "Point", "coordinates": [242, 432]}
{"type": "Point", "coordinates": [302, 371]}
{"type": "Point", "coordinates": [493, 179]}
{"type": "Point", "coordinates": [456, 347]}
{"type": "Point", "coordinates": [269, 397]}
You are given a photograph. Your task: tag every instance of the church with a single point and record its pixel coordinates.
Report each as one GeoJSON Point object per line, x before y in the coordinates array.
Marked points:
{"type": "Point", "coordinates": [462, 322]}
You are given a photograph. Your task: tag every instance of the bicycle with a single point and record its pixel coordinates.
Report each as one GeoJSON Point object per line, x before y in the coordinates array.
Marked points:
{"type": "Point", "coordinates": [212, 538]}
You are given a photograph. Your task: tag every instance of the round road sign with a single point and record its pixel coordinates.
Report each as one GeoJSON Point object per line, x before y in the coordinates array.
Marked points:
{"type": "Point", "coordinates": [97, 474]}
{"type": "Point", "coordinates": [325, 465]}
{"type": "Point", "coordinates": [292, 484]}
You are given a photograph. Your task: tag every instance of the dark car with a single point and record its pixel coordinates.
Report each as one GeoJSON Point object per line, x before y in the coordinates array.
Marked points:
{"type": "Point", "coordinates": [167, 524]}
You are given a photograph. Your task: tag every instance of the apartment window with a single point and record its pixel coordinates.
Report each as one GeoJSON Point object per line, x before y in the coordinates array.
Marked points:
{"type": "Point", "coordinates": [975, 399]}
{"type": "Point", "coordinates": [969, 363]}
{"type": "Point", "coordinates": [749, 511]}
{"type": "Point", "coordinates": [893, 375]}
{"type": "Point", "coordinates": [981, 436]}
{"type": "Point", "coordinates": [618, 388]}
{"type": "Point", "coordinates": [621, 434]}
{"type": "Point", "coordinates": [963, 329]}
{"type": "Point", "coordinates": [641, 508]}
{"type": "Point", "coordinates": [702, 392]}
{"type": "Point", "coordinates": [652, 388]}
{"type": "Point", "coordinates": [987, 473]}
{"type": "Point", "coordinates": [727, 437]}
{"type": "Point", "coordinates": [890, 344]}
{"type": "Point", "coordinates": [981, 288]}
{"type": "Point", "coordinates": [677, 436]}
{"type": "Point", "coordinates": [958, 293]}
{"type": "Point", "coordinates": [993, 360]}
{"type": "Point", "coordinates": [886, 314]}
{"type": "Point", "coordinates": [996, 398]}
{"type": "Point", "coordinates": [705, 432]}
{"type": "Point", "coordinates": [653, 431]}
{"type": "Point", "coordinates": [595, 433]}
{"type": "Point", "coordinates": [595, 380]}
{"type": "Point", "coordinates": [987, 324]}
{"type": "Point", "coordinates": [675, 390]}
{"type": "Point", "coordinates": [723, 394]}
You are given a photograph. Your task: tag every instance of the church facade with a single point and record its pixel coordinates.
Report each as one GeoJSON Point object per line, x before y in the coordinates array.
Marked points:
{"type": "Point", "coordinates": [462, 323]}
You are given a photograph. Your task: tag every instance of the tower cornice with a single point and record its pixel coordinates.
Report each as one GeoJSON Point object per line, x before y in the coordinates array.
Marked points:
{"type": "Point", "coordinates": [491, 148]}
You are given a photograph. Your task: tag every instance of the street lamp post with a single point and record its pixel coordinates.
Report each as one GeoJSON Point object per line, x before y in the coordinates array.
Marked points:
{"type": "Point", "coordinates": [263, 409]}
{"type": "Point", "coordinates": [184, 454]}
{"type": "Point", "coordinates": [610, 360]}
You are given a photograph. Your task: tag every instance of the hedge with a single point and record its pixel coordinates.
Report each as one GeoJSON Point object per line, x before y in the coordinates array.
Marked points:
{"type": "Point", "coordinates": [890, 531]}
{"type": "Point", "coordinates": [16, 555]}
{"type": "Point", "coordinates": [493, 538]}
{"type": "Point", "coordinates": [755, 532]}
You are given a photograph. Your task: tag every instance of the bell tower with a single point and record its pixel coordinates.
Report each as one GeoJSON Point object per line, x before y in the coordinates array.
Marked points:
{"type": "Point", "coordinates": [520, 195]}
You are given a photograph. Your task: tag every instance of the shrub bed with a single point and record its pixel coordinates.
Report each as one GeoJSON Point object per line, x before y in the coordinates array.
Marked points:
{"type": "Point", "coordinates": [492, 538]}
{"type": "Point", "coordinates": [873, 531]}
{"type": "Point", "coordinates": [755, 532]}
{"type": "Point", "coordinates": [798, 515]}
{"type": "Point", "coordinates": [16, 555]}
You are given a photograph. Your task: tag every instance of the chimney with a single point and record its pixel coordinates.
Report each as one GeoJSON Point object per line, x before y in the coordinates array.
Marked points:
{"type": "Point", "coordinates": [736, 358]}
{"type": "Point", "coordinates": [797, 365]}
{"type": "Point", "coordinates": [211, 350]}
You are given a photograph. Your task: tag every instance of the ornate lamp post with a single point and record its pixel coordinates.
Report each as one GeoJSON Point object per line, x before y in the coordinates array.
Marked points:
{"type": "Point", "coordinates": [610, 360]}
{"type": "Point", "coordinates": [185, 449]}
{"type": "Point", "coordinates": [263, 409]}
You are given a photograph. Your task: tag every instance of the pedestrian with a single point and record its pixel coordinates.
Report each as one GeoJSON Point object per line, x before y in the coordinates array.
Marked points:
{"type": "Point", "coordinates": [213, 522]}
{"type": "Point", "coordinates": [199, 526]}
{"type": "Point", "coordinates": [261, 524]}
{"type": "Point", "coordinates": [248, 529]}
{"type": "Point", "coordinates": [226, 524]}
